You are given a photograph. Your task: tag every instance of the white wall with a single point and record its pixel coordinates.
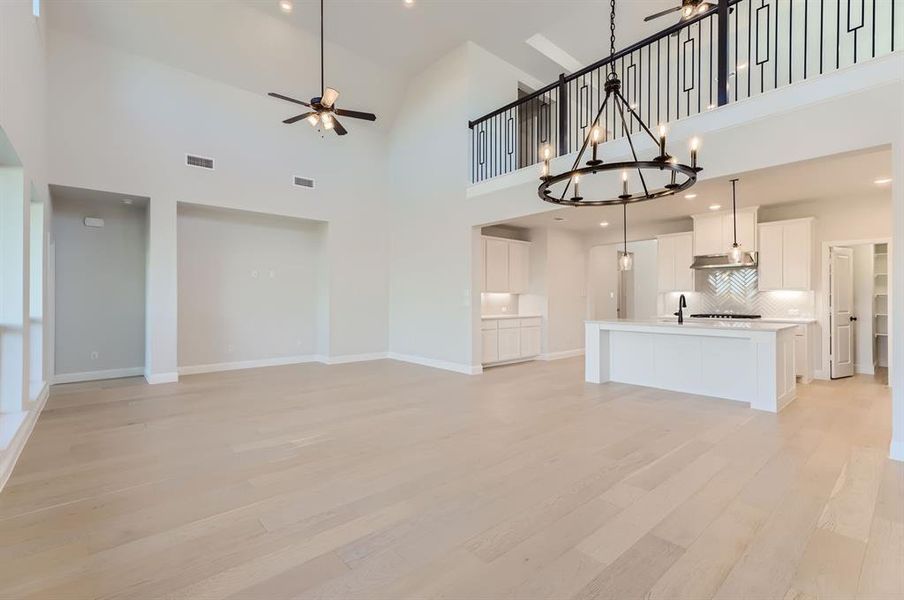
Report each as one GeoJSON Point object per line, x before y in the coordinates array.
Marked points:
{"type": "Point", "coordinates": [249, 287]}
{"type": "Point", "coordinates": [603, 278]}
{"type": "Point", "coordinates": [566, 281]}
{"type": "Point", "coordinates": [863, 307]}
{"type": "Point", "coordinates": [124, 123]}
{"type": "Point", "coordinates": [100, 280]}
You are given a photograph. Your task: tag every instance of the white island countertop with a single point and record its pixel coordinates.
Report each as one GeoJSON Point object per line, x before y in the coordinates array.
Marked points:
{"type": "Point", "coordinates": [704, 326]}
{"type": "Point", "coordinates": [489, 317]}
{"type": "Point", "coordinates": [747, 361]}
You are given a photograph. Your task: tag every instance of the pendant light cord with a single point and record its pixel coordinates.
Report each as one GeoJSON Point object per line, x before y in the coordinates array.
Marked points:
{"type": "Point", "coordinates": [734, 211]}
{"type": "Point", "coordinates": [625, 225]}
{"type": "Point", "coordinates": [322, 79]}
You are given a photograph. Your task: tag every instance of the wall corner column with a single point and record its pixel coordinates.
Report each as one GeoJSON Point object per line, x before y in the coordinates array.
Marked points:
{"type": "Point", "coordinates": [896, 348]}
{"type": "Point", "coordinates": [161, 324]}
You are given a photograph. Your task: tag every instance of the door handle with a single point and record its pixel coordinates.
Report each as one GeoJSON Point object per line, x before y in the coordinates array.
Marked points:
{"type": "Point", "coordinates": [853, 318]}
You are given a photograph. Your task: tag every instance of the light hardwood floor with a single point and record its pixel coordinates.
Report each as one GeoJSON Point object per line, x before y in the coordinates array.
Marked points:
{"type": "Point", "coordinates": [386, 480]}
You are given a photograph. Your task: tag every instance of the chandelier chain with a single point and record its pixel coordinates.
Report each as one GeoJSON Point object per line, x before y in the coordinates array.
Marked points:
{"type": "Point", "coordinates": [612, 34]}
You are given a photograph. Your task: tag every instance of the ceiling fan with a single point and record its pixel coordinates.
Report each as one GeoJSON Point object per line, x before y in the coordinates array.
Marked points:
{"type": "Point", "coordinates": [323, 108]}
{"type": "Point", "coordinates": [688, 9]}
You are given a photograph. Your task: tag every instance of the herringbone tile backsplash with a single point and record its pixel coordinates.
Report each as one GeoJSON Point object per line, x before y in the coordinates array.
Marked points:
{"type": "Point", "coordinates": [735, 290]}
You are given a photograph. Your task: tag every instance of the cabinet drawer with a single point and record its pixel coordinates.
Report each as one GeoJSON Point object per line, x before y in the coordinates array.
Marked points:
{"type": "Point", "coordinates": [530, 322]}
{"type": "Point", "coordinates": [489, 324]}
{"type": "Point", "coordinates": [508, 323]}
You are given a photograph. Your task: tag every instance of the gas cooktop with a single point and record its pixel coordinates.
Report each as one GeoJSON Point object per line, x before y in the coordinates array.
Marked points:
{"type": "Point", "coordinates": [724, 316]}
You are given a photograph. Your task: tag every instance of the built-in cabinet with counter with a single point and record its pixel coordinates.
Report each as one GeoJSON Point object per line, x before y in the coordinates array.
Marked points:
{"type": "Point", "coordinates": [509, 338]}
{"type": "Point", "coordinates": [785, 255]}
{"type": "Point", "coordinates": [675, 253]}
{"type": "Point", "coordinates": [714, 232]}
{"type": "Point", "coordinates": [506, 265]}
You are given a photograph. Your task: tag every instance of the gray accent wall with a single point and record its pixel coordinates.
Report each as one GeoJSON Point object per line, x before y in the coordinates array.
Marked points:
{"type": "Point", "coordinates": [100, 283]}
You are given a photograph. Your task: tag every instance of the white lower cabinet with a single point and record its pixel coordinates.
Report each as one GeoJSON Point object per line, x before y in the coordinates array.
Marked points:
{"type": "Point", "coordinates": [530, 341]}
{"type": "Point", "coordinates": [510, 339]}
{"type": "Point", "coordinates": [490, 345]}
{"type": "Point", "coordinates": [510, 343]}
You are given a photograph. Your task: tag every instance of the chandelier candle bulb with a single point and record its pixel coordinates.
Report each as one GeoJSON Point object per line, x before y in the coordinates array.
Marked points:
{"type": "Point", "coordinates": [624, 183]}
{"type": "Point", "coordinates": [662, 132]}
{"type": "Point", "coordinates": [577, 190]}
{"type": "Point", "coordinates": [695, 144]}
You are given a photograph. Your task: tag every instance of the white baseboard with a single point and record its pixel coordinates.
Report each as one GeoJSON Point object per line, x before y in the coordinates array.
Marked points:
{"type": "Point", "coordinates": [865, 369]}
{"type": "Point", "coordinates": [352, 358]}
{"type": "Point", "coordinates": [896, 450]}
{"type": "Point", "coordinates": [562, 354]}
{"type": "Point", "coordinates": [249, 364]}
{"type": "Point", "coordinates": [97, 375]}
{"type": "Point", "coordinates": [155, 378]}
{"type": "Point", "coordinates": [10, 454]}
{"type": "Point", "coordinates": [437, 364]}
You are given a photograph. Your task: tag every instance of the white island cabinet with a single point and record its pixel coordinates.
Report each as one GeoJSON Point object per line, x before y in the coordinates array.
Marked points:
{"type": "Point", "coordinates": [748, 362]}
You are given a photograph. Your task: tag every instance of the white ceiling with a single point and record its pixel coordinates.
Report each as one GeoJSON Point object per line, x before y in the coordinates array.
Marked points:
{"type": "Point", "coordinates": [844, 176]}
{"type": "Point", "coordinates": [407, 38]}
{"type": "Point", "coordinates": [373, 46]}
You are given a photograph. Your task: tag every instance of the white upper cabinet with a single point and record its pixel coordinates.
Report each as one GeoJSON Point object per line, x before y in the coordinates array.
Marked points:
{"type": "Point", "coordinates": [714, 232]}
{"type": "Point", "coordinates": [496, 265]}
{"type": "Point", "coordinates": [675, 255]}
{"type": "Point", "coordinates": [519, 267]}
{"type": "Point", "coordinates": [786, 255]}
{"type": "Point", "coordinates": [506, 265]}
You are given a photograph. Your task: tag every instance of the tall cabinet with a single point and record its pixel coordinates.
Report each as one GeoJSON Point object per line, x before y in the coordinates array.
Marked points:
{"type": "Point", "coordinates": [506, 265]}
{"type": "Point", "coordinates": [714, 232]}
{"type": "Point", "coordinates": [675, 253]}
{"type": "Point", "coordinates": [786, 255]}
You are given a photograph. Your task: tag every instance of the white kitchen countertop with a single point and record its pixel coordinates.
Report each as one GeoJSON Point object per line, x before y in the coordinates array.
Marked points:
{"type": "Point", "coordinates": [796, 320]}
{"type": "Point", "coordinates": [488, 317]}
{"type": "Point", "coordinates": [695, 327]}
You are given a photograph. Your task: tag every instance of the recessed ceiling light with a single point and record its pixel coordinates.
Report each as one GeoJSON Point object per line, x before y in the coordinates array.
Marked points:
{"type": "Point", "coordinates": [559, 218]}
{"type": "Point", "coordinates": [127, 201]}
{"type": "Point", "coordinates": [690, 196]}
{"type": "Point", "coordinates": [408, 2]}
{"type": "Point", "coordinates": [742, 66]}
{"type": "Point", "coordinates": [715, 206]}
{"type": "Point", "coordinates": [711, 106]}
{"type": "Point", "coordinates": [882, 181]}
{"type": "Point", "coordinates": [604, 223]}
{"type": "Point", "coordinates": [285, 6]}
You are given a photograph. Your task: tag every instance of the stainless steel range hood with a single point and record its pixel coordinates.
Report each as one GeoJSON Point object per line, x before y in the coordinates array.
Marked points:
{"type": "Point", "coordinates": [723, 261]}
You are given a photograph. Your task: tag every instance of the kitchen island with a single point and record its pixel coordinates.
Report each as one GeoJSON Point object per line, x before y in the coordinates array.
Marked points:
{"type": "Point", "coordinates": [747, 362]}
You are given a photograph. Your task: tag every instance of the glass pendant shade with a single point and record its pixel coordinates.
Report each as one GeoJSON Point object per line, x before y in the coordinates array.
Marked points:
{"type": "Point", "coordinates": [735, 253]}
{"type": "Point", "coordinates": [625, 261]}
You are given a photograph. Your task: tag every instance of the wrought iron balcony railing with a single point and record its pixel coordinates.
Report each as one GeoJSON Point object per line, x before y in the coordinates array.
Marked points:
{"type": "Point", "coordinates": [741, 49]}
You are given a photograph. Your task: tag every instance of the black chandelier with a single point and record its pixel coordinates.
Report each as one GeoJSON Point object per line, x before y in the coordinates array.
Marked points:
{"type": "Point", "coordinates": [682, 176]}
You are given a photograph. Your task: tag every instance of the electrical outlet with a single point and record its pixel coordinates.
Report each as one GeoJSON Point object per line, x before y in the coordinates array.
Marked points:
{"type": "Point", "coordinates": [94, 355]}
{"type": "Point", "coordinates": [254, 274]}
{"type": "Point", "coordinates": [272, 274]}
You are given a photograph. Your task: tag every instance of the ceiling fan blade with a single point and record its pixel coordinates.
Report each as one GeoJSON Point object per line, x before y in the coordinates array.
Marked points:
{"type": "Point", "coordinates": [286, 98]}
{"type": "Point", "coordinates": [329, 97]}
{"type": "Point", "coordinates": [354, 114]}
{"type": "Point", "coordinates": [337, 126]}
{"type": "Point", "coordinates": [662, 13]}
{"type": "Point", "coordinates": [297, 118]}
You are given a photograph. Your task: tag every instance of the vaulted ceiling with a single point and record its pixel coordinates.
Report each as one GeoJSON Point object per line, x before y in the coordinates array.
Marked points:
{"type": "Point", "coordinates": [373, 46]}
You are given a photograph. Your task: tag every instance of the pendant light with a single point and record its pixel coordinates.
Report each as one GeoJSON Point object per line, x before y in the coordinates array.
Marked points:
{"type": "Point", "coordinates": [735, 253]}
{"type": "Point", "coordinates": [625, 261]}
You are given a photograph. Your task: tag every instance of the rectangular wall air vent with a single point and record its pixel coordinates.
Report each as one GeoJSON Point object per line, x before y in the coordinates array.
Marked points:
{"type": "Point", "coordinates": [305, 182]}
{"type": "Point", "coordinates": [199, 161]}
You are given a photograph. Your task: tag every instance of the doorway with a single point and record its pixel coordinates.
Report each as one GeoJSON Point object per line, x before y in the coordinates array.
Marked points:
{"type": "Point", "coordinates": [858, 319]}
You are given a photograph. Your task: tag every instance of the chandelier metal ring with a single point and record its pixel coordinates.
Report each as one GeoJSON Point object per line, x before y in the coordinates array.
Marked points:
{"type": "Point", "coordinates": [621, 108]}
{"type": "Point", "coordinates": [545, 191]}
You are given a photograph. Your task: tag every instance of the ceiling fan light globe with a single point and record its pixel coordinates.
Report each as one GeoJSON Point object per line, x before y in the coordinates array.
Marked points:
{"type": "Point", "coordinates": [313, 120]}
{"type": "Point", "coordinates": [329, 97]}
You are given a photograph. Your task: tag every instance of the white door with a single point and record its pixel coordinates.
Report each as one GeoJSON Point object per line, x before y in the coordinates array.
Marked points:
{"type": "Point", "coordinates": [769, 270]}
{"type": "Point", "coordinates": [841, 302]}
